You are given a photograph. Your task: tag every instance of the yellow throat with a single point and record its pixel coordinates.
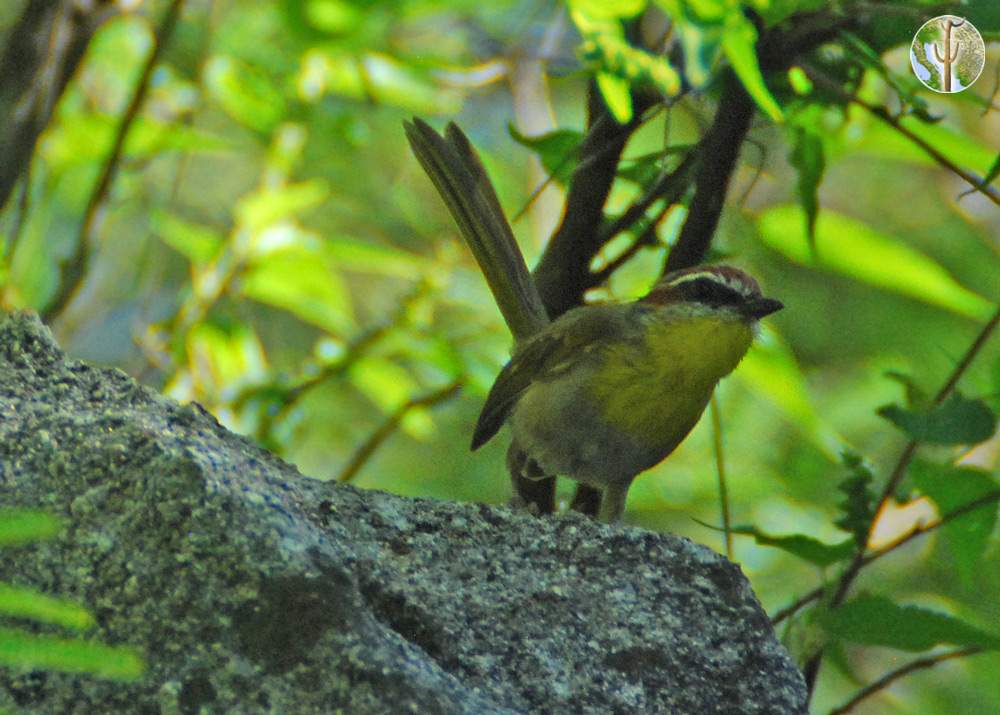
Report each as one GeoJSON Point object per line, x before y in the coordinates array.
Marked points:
{"type": "Point", "coordinates": [655, 390]}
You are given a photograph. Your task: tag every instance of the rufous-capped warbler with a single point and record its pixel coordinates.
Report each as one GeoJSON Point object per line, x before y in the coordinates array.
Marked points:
{"type": "Point", "coordinates": [603, 392]}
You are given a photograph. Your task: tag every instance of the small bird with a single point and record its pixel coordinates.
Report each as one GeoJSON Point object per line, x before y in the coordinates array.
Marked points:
{"type": "Point", "coordinates": [602, 392]}
{"type": "Point", "coordinates": [605, 392]}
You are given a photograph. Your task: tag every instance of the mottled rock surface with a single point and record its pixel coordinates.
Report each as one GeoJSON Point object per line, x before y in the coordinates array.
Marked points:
{"type": "Point", "coordinates": [253, 589]}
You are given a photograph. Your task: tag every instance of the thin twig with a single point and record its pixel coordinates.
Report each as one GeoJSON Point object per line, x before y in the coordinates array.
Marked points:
{"type": "Point", "coordinates": [74, 270]}
{"type": "Point", "coordinates": [858, 561]}
{"type": "Point", "coordinates": [893, 675]}
{"type": "Point", "coordinates": [382, 433]}
{"type": "Point", "coordinates": [720, 468]}
{"type": "Point", "coordinates": [820, 79]}
{"type": "Point", "coordinates": [919, 530]}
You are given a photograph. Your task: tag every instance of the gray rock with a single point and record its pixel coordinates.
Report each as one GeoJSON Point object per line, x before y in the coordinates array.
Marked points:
{"type": "Point", "coordinates": [253, 589]}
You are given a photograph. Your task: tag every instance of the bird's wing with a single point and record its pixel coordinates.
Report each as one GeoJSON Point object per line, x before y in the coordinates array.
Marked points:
{"type": "Point", "coordinates": [553, 352]}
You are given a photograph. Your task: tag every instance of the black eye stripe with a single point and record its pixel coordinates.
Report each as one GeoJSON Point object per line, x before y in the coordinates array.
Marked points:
{"type": "Point", "coordinates": [705, 290]}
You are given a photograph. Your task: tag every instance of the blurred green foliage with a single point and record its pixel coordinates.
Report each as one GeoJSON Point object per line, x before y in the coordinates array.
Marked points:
{"type": "Point", "coordinates": [269, 248]}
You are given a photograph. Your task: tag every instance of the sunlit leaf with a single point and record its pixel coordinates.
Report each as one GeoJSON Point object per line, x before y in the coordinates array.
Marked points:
{"type": "Point", "coordinates": [20, 602]}
{"type": "Point", "coordinates": [372, 77]}
{"type": "Point", "coordinates": [615, 91]}
{"type": "Point", "coordinates": [799, 80]}
{"type": "Point", "coordinates": [384, 382]}
{"type": "Point", "coordinates": [225, 355]}
{"type": "Point", "coordinates": [22, 526]}
{"type": "Point", "coordinates": [245, 93]}
{"type": "Point", "coordinates": [26, 651]}
{"type": "Point", "coordinates": [951, 487]}
{"type": "Point", "coordinates": [269, 204]}
{"type": "Point", "coordinates": [304, 284]}
{"type": "Point", "coordinates": [198, 243]}
{"type": "Point", "coordinates": [955, 421]}
{"type": "Point", "coordinates": [875, 620]}
{"type": "Point", "coordinates": [855, 249]}
{"type": "Point", "coordinates": [804, 547]}
{"type": "Point", "coordinates": [739, 38]}
{"type": "Point", "coordinates": [608, 9]}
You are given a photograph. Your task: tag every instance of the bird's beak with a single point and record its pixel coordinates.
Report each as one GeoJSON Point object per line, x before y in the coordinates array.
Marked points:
{"type": "Point", "coordinates": [760, 307]}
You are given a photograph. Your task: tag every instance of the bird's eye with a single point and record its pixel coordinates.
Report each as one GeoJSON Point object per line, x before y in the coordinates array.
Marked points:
{"type": "Point", "coordinates": [712, 293]}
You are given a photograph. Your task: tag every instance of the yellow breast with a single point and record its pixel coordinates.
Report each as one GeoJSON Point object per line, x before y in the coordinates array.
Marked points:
{"type": "Point", "coordinates": [656, 389]}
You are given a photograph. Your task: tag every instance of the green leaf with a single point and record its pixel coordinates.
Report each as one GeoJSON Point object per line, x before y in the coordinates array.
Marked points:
{"type": "Point", "coordinates": [558, 150]}
{"type": "Point", "coordinates": [915, 396]}
{"type": "Point", "coordinates": [384, 382]}
{"type": "Point", "coordinates": [25, 651]}
{"type": "Point", "coordinates": [231, 353]}
{"type": "Point", "coordinates": [875, 620]}
{"type": "Point", "coordinates": [20, 602]}
{"type": "Point", "coordinates": [302, 282]}
{"type": "Point", "coordinates": [22, 526]}
{"type": "Point", "coordinates": [808, 159]}
{"type": "Point", "coordinates": [955, 421]}
{"type": "Point", "coordinates": [246, 94]}
{"type": "Point", "coordinates": [269, 204]}
{"type": "Point", "coordinates": [367, 257]}
{"type": "Point", "coordinates": [615, 91]}
{"type": "Point", "coordinates": [805, 547]}
{"type": "Point", "coordinates": [799, 80]}
{"type": "Point", "coordinates": [771, 370]}
{"type": "Point", "coordinates": [858, 506]}
{"type": "Point", "coordinates": [967, 536]}
{"type": "Point", "coordinates": [852, 248]}
{"type": "Point", "coordinates": [607, 9]}
{"type": "Point", "coordinates": [739, 38]}
{"type": "Point", "coordinates": [198, 243]}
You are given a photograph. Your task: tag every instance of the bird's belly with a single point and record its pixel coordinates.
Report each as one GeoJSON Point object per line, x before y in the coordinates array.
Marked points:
{"type": "Point", "coordinates": [563, 428]}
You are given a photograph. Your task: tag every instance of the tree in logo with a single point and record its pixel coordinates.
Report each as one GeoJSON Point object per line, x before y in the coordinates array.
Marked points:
{"type": "Point", "coordinates": [947, 54]}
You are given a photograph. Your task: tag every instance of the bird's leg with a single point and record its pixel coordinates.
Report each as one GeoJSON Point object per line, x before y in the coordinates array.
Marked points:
{"type": "Point", "coordinates": [613, 501]}
{"type": "Point", "coordinates": [533, 489]}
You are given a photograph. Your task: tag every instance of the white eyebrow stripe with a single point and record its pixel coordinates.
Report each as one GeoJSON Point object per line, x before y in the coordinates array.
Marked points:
{"type": "Point", "coordinates": [738, 286]}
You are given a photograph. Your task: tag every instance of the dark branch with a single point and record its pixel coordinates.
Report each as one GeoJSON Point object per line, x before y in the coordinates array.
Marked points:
{"type": "Point", "coordinates": [74, 270]}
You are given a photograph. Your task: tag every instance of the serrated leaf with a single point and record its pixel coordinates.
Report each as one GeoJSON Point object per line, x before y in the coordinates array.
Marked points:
{"type": "Point", "coordinates": [615, 91]}
{"type": "Point", "coordinates": [20, 602]}
{"type": "Point", "coordinates": [26, 651]}
{"type": "Point", "coordinates": [558, 150]}
{"type": "Point", "coordinates": [875, 620]}
{"type": "Point", "coordinates": [804, 547]}
{"type": "Point", "coordinates": [858, 506]}
{"type": "Point", "coordinates": [967, 536]}
{"type": "Point", "coordinates": [22, 526]}
{"type": "Point", "coordinates": [852, 248]}
{"type": "Point", "coordinates": [955, 421]}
